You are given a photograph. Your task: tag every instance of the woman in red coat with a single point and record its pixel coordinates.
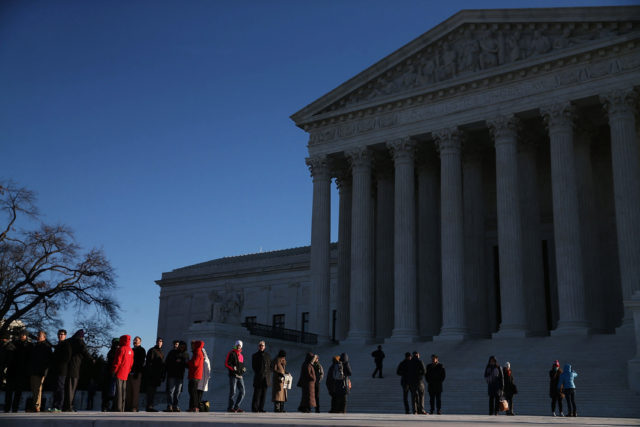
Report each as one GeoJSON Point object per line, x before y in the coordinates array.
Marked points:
{"type": "Point", "coordinates": [122, 363]}
{"type": "Point", "coordinates": [195, 374]}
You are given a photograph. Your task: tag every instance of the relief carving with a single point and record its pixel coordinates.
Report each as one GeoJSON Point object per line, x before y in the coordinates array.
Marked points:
{"type": "Point", "coordinates": [226, 305]}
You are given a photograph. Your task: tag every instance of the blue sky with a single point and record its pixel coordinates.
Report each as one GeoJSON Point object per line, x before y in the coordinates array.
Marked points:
{"type": "Point", "coordinates": [160, 130]}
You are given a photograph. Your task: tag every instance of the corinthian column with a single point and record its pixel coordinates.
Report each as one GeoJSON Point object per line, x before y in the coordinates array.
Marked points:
{"type": "Point", "coordinates": [384, 248]}
{"type": "Point", "coordinates": [625, 160]}
{"type": "Point", "coordinates": [512, 302]}
{"type": "Point", "coordinates": [362, 289]}
{"type": "Point", "coordinates": [344, 254]}
{"type": "Point", "coordinates": [320, 242]}
{"type": "Point", "coordinates": [452, 235]}
{"type": "Point", "coordinates": [405, 327]}
{"type": "Point", "coordinates": [566, 221]}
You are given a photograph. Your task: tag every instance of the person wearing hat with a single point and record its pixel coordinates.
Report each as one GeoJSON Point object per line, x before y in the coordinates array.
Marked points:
{"type": "Point", "coordinates": [510, 388]}
{"type": "Point", "coordinates": [555, 394]}
{"type": "Point", "coordinates": [234, 363]}
{"type": "Point", "coordinates": [567, 385]}
{"type": "Point", "coordinates": [435, 377]}
{"type": "Point", "coordinates": [402, 371]}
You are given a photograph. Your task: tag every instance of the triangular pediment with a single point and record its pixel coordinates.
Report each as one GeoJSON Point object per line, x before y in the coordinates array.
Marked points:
{"type": "Point", "coordinates": [473, 43]}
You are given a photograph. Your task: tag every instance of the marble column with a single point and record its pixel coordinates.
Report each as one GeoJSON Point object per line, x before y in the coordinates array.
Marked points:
{"type": "Point", "coordinates": [429, 285]}
{"type": "Point", "coordinates": [475, 283]}
{"type": "Point", "coordinates": [512, 302]}
{"type": "Point", "coordinates": [566, 221]}
{"type": "Point", "coordinates": [343, 182]}
{"type": "Point", "coordinates": [625, 157]}
{"type": "Point", "coordinates": [405, 315]}
{"type": "Point", "coordinates": [532, 267]}
{"type": "Point", "coordinates": [320, 243]}
{"type": "Point", "coordinates": [384, 248]}
{"type": "Point", "coordinates": [362, 286]}
{"type": "Point", "coordinates": [454, 325]}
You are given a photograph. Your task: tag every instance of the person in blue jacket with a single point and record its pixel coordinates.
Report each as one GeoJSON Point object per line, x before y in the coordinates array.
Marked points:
{"type": "Point", "coordinates": [568, 387]}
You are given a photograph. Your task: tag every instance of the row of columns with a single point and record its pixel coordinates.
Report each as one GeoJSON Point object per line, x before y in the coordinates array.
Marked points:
{"type": "Point", "coordinates": [518, 231]}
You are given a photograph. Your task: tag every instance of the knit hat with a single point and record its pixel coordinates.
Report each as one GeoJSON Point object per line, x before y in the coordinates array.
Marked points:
{"type": "Point", "coordinates": [507, 365]}
{"type": "Point", "coordinates": [407, 354]}
{"type": "Point", "coordinates": [556, 363]}
{"type": "Point", "coordinates": [238, 344]}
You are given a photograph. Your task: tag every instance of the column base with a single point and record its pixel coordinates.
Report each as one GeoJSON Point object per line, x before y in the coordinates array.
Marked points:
{"type": "Point", "coordinates": [633, 367]}
{"type": "Point", "coordinates": [510, 332]}
{"type": "Point", "coordinates": [626, 327]}
{"type": "Point", "coordinates": [452, 334]}
{"type": "Point", "coordinates": [403, 335]}
{"type": "Point", "coordinates": [571, 329]}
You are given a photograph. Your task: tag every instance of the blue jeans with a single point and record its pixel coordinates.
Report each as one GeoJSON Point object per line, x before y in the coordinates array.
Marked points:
{"type": "Point", "coordinates": [174, 388]}
{"type": "Point", "coordinates": [235, 383]}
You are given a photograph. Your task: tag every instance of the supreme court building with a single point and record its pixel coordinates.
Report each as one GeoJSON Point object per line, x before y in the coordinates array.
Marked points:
{"type": "Point", "coordinates": [489, 185]}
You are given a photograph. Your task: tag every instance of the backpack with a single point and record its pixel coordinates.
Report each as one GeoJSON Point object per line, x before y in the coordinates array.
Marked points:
{"type": "Point", "coordinates": [338, 373]}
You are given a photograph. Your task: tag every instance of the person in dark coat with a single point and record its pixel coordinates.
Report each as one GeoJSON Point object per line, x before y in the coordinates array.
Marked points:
{"type": "Point", "coordinates": [261, 364]}
{"type": "Point", "coordinates": [17, 372]}
{"type": "Point", "coordinates": [135, 376]}
{"type": "Point", "coordinates": [415, 377]}
{"type": "Point", "coordinates": [378, 357]}
{"type": "Point", "coordinates": [317, 367]}
{"type": "Point", "coordinates": [307, 383]}
{"type": "Point", "coordinates": [403, 371]}
{"type": "Point", "coordinates": [108, 379]}
{"type": "Point", "coordinates": [495, 384]}
{"type": "Point", "coordinates": [346, 367]}
{"type": "Point", "coordinates": [6, 351]}
{"type": "Point", "coordinates": [60, 367]}
{"type": "Point", "coordinates": [279, 391]}
{"type": "Point", "coordinates": [510, 388]}
{"type": "Point", "coordinates": [154, 373]}
{"type": "Point", "coordinates": [176, 364]}
{"type": "Point", "coordinates": [41, 355]}
{"type": "Point", "coordinates": [435, 377]}
{"type": "Point", "coordinates": [336, 386]}
{"type": "Point", "coordinates": [78, 353]}
{"type": "Point", "coordinates": [555, 394]}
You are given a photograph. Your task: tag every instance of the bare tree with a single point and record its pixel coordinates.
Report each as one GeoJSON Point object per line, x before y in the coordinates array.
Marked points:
{"type": "Point", "coordinates": [43, 270]}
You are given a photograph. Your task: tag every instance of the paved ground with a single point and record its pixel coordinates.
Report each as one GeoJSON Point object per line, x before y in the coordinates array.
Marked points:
{"type": "Point", "coordinates": [99, 419]}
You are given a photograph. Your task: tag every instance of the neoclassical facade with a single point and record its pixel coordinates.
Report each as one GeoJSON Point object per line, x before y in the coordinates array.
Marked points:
{"type": "Point", "coordinates": [489, 180]}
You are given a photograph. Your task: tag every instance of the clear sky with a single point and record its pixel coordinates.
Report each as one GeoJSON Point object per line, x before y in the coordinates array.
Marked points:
{"type": "Point", "coordinates": [160, 130]}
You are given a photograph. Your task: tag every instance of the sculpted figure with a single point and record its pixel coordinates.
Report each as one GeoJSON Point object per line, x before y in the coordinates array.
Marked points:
{"type": "Point", "coordinates": [539, 44]}
{"type": "Point", "coordinates": [427, 71]}
{"type": "Point", "coordinates": [410, 77]}
{"type": "Point", "coordinates": [513, 46]}
{"type": "Point", "coordinates": [448, 62]}
{"type": "Point", "coordinates": [489, 55]}
{"type": "Point", "coordinates": [564, 40]}
{"type": "Point", "coordinates": [470, 52]}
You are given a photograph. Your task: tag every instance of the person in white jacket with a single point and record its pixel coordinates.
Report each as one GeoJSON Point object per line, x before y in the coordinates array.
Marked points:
{"type": "Point", "coordinates": [203, 384]}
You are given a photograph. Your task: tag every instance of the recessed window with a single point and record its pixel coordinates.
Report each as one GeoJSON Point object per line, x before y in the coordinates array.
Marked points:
{"type": "Point", "coordinates": [278, 320]}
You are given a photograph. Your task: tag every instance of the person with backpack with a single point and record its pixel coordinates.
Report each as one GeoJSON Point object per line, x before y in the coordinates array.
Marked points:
{"type": "Point", "coordinates": [337, 386]}
{"type": "Point", "coordinates": [236, 369]}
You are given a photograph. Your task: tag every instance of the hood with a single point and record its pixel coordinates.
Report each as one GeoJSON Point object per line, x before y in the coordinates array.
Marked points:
{"type": "Point", "coordinates": [79, 334]}
{"type": "Point", "coordinates": [567, 368]}
{"type": "Point", "coordinates": [344, 357]}
{"type": "Point", "coordinates": [308, 358]}
{"type": "Point", "coordinates": [199, 345]}
{"type": "Point", "coordinates": [125, 340]}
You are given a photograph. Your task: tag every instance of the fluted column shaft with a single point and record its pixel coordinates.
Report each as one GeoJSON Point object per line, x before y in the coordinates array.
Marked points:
{"type": "Point", "coordinates": [512, 301]}
{"type": "Point", "coordinates": [625, 158]}
{"type": "Point", "coordinates": [384, 249]}
{"type": "Point", "coordinates": [566, 221]}
{"type": "Point", "coordinates": [362, 289]}
{"type": "Point", "coordinates": [404, 269]}
{"type": "Point", "coordinates": [452, 235]}
{"type": "Point", "coordinates": [320, 242]}
{"type": "Point", "coordinates": [344, 255]}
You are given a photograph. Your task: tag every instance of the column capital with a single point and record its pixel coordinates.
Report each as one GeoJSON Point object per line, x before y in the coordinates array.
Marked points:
{"type": "Point", "coordinates": [448, 140]}
{"type": "Point", "coordinates": [402, 149]}
{"type": "Point", "coordinates": [319, 167]}
{"type": "Point", "coordinates": [360, 158]}
{"type": "Point", "coordinates": [620, 101]}
{"type": "Point", "coordinates": [559, 114]}
{"type": "Point", "coordinates": [343, 179]}
{"type": "Point", "coordinates": [504, 128]}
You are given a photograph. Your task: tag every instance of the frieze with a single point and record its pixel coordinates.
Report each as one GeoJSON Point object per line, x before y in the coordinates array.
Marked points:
{"type": "Point", "coordinates": [472, 48]}
{"type": "Point", "coordinates": [546, 82]}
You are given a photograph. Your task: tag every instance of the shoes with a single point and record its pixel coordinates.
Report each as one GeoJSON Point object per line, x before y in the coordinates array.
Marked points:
{"type": "Point", "coordinates": [239, 410]}
{"type": "Point", "coordinates": [262, 411]}
{"type": "Point", "coordinates": [439, 411]}
{"type": "Point", "coordinates": [169, 409]}
{"type": "Point", "coordinates": [231, 410]}
{"type": "Point", "coordinates": [176, 409]}
{"type": "Point", "coordinates": [553, 414]}
{"type": "Point", "coordinates": [150, 409]}
{"type": "Point", "coordinates": [423, 413]}
{"type": "Point", "coordinates": [561, 414]}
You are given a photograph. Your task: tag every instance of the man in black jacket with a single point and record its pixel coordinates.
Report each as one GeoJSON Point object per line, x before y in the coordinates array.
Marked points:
{"type": "Point", "coordinates": [60, 365]}
{"type": "Point", "coordinates": [176, 363]}
{"type": "Point", "coordinates": [415, 375]}
{"type": "Point", "coordinates": [78, 353]}
{"type": "Point", "coordinates": [403, 370]}
{"type": "Point", "coordinates": [41, 356]}
{"type": "Point", "coordinates": [17, 372]}
{"type": "Point", "coordinates": [135, 376]}
{"type": "Point", "coordinates": [378, 357]}
{"type": "Point", "coordinates": [261, 364]}
{"type": "Point", "coordinates": [435, 377]}
{"type": "Point", "coordinates": [154, 372]}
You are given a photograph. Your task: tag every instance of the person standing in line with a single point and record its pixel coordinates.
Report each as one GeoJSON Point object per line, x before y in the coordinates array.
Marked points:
{"type": "Point", "coordinates": [17, 371]}
{"type": "Point", "coordinates": [510, 388]}
{"type": "Point", "coordinates": [416, 384]}
{"type": "Point", "coordinates": [346, 368]}
{"type": "Point", "coordinates": [495, 384]}
{"type": "Point", "coordinates": [78, 354]}
{"type": "Point", "coordinates": [261, 364]}
{"type": "Point", "coordinates": [39, 362]}
{"type": "Point", "coordinates": [554, 393]}
{"type": "Point", "coordinates": [203, 384]}
{"type": "Point", "coordinates": [567, 386]}
{"type": "Point", "coordinates": [196, 368]}
{"type": "Point", "coordinates": [108, 379]}
{"type": "Point", "coordinates": [154, 373]}
{"type": "Point", "coordinates": [319, 370]}
{"type": "Point", "coordinates": [435, 377]}
{"type": "Point", "coordinates": [307, 383]}
{"type": "Point", "coordinates": [378, 357]}
{"type": "Point", "coordinates": [177, 361]}
{"type": "Point", "coordinates": [135, 376]}
{"type": "Point", "coordinates": [236, 369]}
{"type": "Point", "coordinates": [122, 363]}
{"type": "Point", "coordinates": [336, 386]}
{"type": "Point", "coordinates": [403, 372]}
{"type": "Point", "coordinates": [60, 364]}
{"type": "Point", "coordinates": [279, 391]}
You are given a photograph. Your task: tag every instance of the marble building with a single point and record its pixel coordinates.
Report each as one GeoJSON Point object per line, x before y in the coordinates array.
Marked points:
{"type": "Point", "coordinates": [489, 185]}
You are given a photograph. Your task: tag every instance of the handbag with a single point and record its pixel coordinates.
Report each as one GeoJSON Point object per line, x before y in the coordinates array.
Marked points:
{"type": "Point", "coordinates": [349, 383]}
{"type": "Point", "coordinates": [288, 381]}
{"type": "Point", "coordinates": [204, 406]}
{"type": "Point", "coordinates": [503, 405]}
